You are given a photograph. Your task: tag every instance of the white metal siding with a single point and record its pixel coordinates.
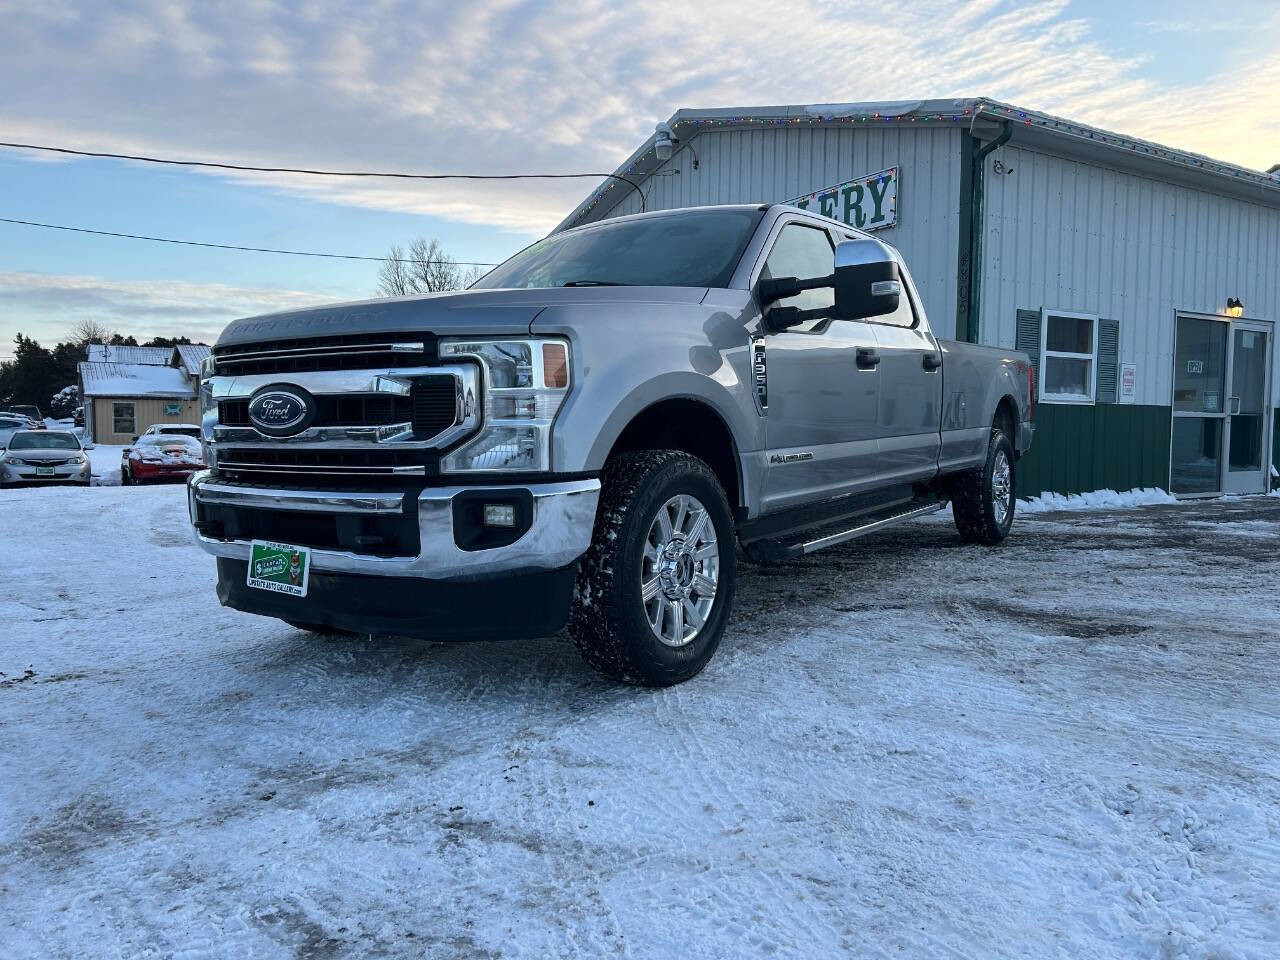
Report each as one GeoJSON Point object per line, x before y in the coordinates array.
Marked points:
{"type": "Point", "coordinates": [772, 164]}
{"type": "Point", "coordinates": [1073, 236]}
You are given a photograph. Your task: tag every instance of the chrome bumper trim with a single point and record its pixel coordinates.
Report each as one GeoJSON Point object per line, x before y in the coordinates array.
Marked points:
{"type": "Point", "coordinates": [312, 500]}
{"type": "Point", "coordinates": [563, 518]}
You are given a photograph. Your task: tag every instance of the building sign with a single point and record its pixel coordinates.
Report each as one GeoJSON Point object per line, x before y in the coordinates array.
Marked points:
{"type": "Point", "coordinates": [868, 203]}
{"type": "Point", "coordinates": [1128, 382]}
{"type": "Point", "coordinates": [172, 409]}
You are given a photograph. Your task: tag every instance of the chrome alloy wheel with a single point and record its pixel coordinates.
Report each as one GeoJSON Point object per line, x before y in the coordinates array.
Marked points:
{"type": "Point", "coordinates": [1001, 487]}
{"type": "Point", "coordinates": [680, 570]}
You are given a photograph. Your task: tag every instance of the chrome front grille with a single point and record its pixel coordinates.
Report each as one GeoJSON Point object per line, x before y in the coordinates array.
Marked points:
{"type": "Point", "coordinates": [381, 422]}
{"type": "Point", "coordinates": [354, 352]}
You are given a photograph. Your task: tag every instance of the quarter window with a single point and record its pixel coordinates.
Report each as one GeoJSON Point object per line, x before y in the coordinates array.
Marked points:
{"type": "Point", "coordinates": [1068, 357]}
{"type": "Point", "coordinates": [123, 419]}
{"type": "Point", "coordinates": [805, 253]}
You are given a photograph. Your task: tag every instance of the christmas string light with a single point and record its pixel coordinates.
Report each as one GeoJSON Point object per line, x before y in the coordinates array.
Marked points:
{"type": "Point", "coordinates": [994, 111]}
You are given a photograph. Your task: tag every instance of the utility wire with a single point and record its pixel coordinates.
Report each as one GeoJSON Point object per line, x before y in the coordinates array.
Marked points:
{"type": "Point", "coordinates": [229, 246]}
{"type": "Point", "coordinates": [328, 173]}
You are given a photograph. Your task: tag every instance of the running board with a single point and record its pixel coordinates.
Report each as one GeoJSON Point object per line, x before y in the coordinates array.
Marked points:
{"type": "Point", "coordinates": [772, 551]}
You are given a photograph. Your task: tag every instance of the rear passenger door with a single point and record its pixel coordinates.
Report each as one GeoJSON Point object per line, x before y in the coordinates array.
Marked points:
{"type": "Point", "coordinates": [821, 421]}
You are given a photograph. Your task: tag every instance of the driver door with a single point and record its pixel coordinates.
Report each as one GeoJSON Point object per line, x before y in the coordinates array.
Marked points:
{"type": "Point", "coordinates": [821, 422]}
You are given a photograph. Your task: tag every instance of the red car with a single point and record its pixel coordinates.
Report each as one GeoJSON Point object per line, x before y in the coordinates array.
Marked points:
{"type": "Point", "coordinates": [161, 457]}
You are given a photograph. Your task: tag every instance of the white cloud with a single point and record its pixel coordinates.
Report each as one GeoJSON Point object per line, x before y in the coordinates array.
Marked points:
{"type": "Point", "coordinates": [559, 85]}
{"type": "Point", "coordinates": [141, 308]}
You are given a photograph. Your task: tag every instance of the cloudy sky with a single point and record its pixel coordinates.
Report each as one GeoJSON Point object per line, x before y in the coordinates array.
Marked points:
{"type": "Point", "coordinates": [501, 86]}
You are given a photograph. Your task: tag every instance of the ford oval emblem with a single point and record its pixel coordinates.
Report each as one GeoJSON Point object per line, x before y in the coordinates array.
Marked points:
{"type": "Point", "coordinates": [281, 411]}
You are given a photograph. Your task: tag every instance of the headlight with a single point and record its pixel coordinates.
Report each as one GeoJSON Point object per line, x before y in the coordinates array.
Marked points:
{"type": "Point", "coordinates": [208, 407]}
{"type": "Point", "coordinates": [525, 382]}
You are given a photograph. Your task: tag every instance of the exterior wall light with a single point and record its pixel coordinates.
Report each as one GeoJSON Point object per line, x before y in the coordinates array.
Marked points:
{"type": "Point", "coordinates": [1234, 307]}
{"type": "Point", "coordinates": [663, 142]}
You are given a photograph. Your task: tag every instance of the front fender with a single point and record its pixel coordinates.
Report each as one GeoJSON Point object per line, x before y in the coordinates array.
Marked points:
{"type": "Point", "coordinates": [627, 357]}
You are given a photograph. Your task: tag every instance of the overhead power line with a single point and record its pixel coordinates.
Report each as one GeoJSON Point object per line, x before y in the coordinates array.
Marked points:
{"type": "Point", "coordinates": [328, 173]}
{"type": "Point", "coordinates": [231, 246]}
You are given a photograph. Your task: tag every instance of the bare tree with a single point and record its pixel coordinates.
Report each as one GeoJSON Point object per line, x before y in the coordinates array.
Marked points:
{"type": "Point", "coordinates": [426, 268]}
{"type": "Point", "coordinates": [88, 331]}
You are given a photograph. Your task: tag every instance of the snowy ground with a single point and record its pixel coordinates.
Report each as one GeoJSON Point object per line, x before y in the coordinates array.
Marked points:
{"type": "Point", "coordinates": [1066, 747]}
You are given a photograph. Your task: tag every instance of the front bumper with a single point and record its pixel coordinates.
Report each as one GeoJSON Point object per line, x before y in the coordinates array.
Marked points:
{"type": "Point", "coordinates": [560, 523]}
{"type": "Point", "coordinates": [15, 473]}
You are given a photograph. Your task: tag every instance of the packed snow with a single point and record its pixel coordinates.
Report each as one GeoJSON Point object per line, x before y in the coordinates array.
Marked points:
{"type": "Point", "coordinates": [1068, 746]}
{"type": "Point", "coordinates": [1096, 500]}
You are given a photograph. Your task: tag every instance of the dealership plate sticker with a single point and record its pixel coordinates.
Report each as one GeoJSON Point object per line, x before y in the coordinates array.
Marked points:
{"type": "Point", "coordinates": [279, 567]}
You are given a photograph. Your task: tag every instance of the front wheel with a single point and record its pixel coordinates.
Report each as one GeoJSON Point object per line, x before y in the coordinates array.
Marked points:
{"type": "Point", "coordinates": [654, 589]}
{"type": "Point", "coordinates": [983, 500]}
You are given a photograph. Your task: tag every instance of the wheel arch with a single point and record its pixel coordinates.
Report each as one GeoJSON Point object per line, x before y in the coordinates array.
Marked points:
{"type": "Point", "coordinates": [692, 425]}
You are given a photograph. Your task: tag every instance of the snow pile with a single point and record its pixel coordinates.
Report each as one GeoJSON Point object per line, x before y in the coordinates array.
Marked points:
{"type": "Point", "coordinates": [1096, 500]}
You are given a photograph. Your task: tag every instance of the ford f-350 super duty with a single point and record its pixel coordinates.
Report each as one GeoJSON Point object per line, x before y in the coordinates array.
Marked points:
{"type": "Point", "coordinates": [589, 433]}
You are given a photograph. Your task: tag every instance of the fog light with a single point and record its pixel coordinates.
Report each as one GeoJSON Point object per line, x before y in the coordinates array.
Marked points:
{"type": "Point", "coordinates": [499, 515]}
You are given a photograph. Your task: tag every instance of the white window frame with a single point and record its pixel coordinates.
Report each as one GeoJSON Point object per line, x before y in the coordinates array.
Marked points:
{"type": "Point", "coordinates": [1046, 353]}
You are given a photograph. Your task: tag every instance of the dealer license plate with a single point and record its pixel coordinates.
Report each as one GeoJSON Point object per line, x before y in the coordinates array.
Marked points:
{"type": "Point", "coordinates": [44, 471]}
{"type": "Point", "coordinates": [279, 567]}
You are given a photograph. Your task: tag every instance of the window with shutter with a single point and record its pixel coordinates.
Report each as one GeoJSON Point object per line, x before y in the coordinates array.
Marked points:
{"type": "Point", "coordinates": [1068, 357]}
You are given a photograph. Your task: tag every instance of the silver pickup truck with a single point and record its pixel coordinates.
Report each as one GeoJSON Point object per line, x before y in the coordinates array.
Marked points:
{"type": "Point", "coordinates": [588, 433]}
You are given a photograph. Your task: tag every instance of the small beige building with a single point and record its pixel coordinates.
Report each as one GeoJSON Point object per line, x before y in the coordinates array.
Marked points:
{"type": "Point", "coordinates": [122, 399]}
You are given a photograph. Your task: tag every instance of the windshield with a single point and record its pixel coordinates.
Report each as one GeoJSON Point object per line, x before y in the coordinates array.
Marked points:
{"type": "Point", "coordinates": [44, 440]}
{"type": "Point", "coordinates": [166, 440]}
{"type": "Point", "coordinates": [687, 248]}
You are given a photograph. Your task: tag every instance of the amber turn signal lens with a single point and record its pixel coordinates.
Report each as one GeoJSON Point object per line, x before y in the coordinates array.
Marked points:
{"type": "Point", "coordinates": [555, 365]}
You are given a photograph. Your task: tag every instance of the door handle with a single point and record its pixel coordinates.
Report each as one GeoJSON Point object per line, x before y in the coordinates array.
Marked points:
{"type": "Point", "coordinates": [868, 358]}
{"type": "Point", "coordinates": [932, 361]}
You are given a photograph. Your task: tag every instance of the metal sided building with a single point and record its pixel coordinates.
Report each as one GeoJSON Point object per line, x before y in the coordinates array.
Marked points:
{"type": "Point", "coordinates": [1144, 281]}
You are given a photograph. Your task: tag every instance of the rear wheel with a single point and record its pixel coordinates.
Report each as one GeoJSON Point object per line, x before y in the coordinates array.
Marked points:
{"type": "Point", "coordinates": [654, 589]}
{"type": "Point", "coordinates": [983, 500]}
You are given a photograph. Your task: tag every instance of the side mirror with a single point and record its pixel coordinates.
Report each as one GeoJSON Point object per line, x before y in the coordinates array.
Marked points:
{"type": "Point", "coordinates": [867, 281]}
{"type": "Point", "coordinates": [126, 450]}
{"type": "Point", "coordinates": [89, 446]}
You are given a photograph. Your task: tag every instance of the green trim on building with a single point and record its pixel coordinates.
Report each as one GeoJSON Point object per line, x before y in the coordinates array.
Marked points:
{"type": "Point", "coordinates": [1096, 447]}
{"type": "Point", "coordinates": [1275, 445]}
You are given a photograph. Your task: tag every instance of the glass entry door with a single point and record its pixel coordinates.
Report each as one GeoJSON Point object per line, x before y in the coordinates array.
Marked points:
{"type": "Point", "coordinates": [1222, 412]}
{"type": "Point", "coordinates": [1248, 408]}
{"type": "Point", "coordinates": [1199, 411]}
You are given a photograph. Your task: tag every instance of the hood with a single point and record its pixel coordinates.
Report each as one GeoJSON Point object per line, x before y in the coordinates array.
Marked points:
{"type": "Point", "coordinates": [466, 313]}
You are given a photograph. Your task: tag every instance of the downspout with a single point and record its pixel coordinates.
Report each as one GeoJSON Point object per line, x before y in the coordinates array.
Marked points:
{"type": "Point", "coordinates": [976, 181]}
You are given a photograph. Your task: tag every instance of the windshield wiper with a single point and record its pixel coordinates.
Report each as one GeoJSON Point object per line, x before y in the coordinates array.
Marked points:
{"type": "Point", "coordinates": [594, 283]}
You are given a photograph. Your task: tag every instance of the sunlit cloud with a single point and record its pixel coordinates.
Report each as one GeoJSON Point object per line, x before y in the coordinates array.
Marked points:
{"type": "Point", "coordinates": [562, 85]}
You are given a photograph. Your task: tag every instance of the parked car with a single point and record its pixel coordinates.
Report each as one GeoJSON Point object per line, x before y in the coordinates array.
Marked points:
{"type": "Point", "coordinates": [77, 416]}
{"type": "Point", "coordinates": [171, 429]}
{"type": "Point", "coordinates": [160, 456]}
{"type": "Point", "coordinates": [11, 423]}
{"type": "Point", "coordinates": [583, 434]}
{"type": "Point", "coordinates": [31, 412]}
{"type": "Point", "coordinates": [44, 457]}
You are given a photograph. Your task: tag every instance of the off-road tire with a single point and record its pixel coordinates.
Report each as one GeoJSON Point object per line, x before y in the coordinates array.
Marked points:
{"type": "Point", "coordinates": [973, 502]}
{"type": "Point", "coordinates": [608, 621]}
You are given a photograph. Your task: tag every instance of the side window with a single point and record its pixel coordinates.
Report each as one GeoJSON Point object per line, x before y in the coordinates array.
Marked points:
{"type": "Point", "coordinates": [804, 252]}
{"type": "Point", "coordinates": [122, 418]}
